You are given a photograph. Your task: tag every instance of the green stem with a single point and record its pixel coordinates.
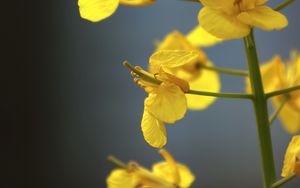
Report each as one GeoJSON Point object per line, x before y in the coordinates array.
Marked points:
{"type": "Point", "coordinates": [223, 95]}
{"type": "Point", "coordinates": [261, 112]}
{"type": "Point", "coordinates": [283, 91]}
{"type": "Point", "coordinates": [226, 70]}
{"type": "Point", "coordinates": [116, 161]}
{"type": "Point", "coordinates": [283, 5]}
{"type": "Point", "coordinates": [283, 181]}
{"type": "Point", "coordinates": [277, 111]}
{"type": "Point", "coordinates": [193, 1]}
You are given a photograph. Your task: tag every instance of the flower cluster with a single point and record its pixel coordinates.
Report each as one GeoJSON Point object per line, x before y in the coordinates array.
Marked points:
{"type": "Point", "coordinates": [181, 77]}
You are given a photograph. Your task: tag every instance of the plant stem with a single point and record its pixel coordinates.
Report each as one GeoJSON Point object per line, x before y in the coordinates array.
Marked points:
{"type": "Point", "coordinates": [226, 70]}
{"type": "Point", "coordinates": [261, 112]}
{"type": "Point", "coordinates": [116, 161]}
{"type": "Point", "coordinates": [283, 5]}
{"type": "Point", "coordinates": [283, 181]}
{"type": "Point", "coordinates": [193, 1]}
{"type": "Point", "coordinates": [283, 91]}
{"type": "Point", "coordinates": [277, 111]}
{"type": "Point", "coordinates": [223, 95]}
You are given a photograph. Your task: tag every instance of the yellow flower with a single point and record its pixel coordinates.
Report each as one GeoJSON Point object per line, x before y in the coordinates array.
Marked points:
{"type": "Point", "coordinates": [166, 103]}
{"type": "Point", "coordinates": [291, 162]}
{"type": "Point", "coordinates": [276, 75]}
{"type": "Point", "coordinates": [190, 69]}
{"type": "Point", "coordinates": [97, 10]}
{"type": "Point", "coordinates": [167, 174]}
{"type": "Point", "coordinates": [230, 19]}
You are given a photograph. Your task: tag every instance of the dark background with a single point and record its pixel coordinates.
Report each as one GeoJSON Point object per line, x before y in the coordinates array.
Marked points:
{"type": "Point", "coordinates": [68, 103]}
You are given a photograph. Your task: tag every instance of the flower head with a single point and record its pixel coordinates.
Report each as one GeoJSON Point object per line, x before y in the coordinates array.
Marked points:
{"type": "Point", "coordinates": [277, 75]}
{"type": "Point", "coordinates": [166, 103]}
{"type": "Point", "coordinates": [291, 162]}
{"type": "Point", "coordinates": [166, 174]}
{"type": "Point", "coordinates": [173, 49]}
{"type": "Point", "coordinates": [97, 10]}
{"type": "Point", "coordinates": [230, 19]}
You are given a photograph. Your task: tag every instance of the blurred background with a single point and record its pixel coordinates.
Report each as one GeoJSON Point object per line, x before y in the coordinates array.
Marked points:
{"type": "Point", "coordinates": [69, 103]}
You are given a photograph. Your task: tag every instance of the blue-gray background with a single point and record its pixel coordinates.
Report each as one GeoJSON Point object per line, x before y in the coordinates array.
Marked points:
{"type": "Point", "coordinates": [87, 106]}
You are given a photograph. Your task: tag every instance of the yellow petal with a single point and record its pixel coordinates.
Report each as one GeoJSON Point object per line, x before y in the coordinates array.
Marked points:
{"type": "Point", "coordinates": [167, 103]}
{"type": "Point", "coordinates": [201, 38]}
{"type": "Point", "coordinates": [269, 73]}
{"type": "Point", "coordinates": [289, 116]}
{"type": "Point", "coordinates": [120, 178]}
{"type": "Point", "coordinates": [222, 25]}
{"type": "Point", "coordinates": [153, 130]}
{"type": "Point", "coordinates": [290, 157]}
{"type": "Point", "coordinates": [225, 5]}
{"type": "Point", "coordinates": [175, 41]}
{"type": "Point", "coordinates": [166, 170]}
{"type": "Point", "coordinates": [261, 2]}
{"type": "Point", "coordinates": [173, 58]}
{"type": "Point", "coordinates": [263, 17]}
{"type": "Point", "coordinates": [136, 2]}
{"type": "Point", "coordinates": [207, 81]}
{"type": "Point", "coordinates": [97, 10]}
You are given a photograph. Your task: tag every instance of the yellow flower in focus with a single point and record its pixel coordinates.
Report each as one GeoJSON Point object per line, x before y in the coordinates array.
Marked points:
{"type": "Point", "coordinates": [291, 162]}
{"type": "Point", "coordinates": [231, 19]}
{"type": "Point", "coordinates": [190, 69]}
{"type": "Point", "coordinates": [166, 103]}
{"type": "Point", "coordinates": [277, 75]}
{"type": "Point", "coordinates": [97, 10]}
{"type": "Point", "coordinates": [167, 174]}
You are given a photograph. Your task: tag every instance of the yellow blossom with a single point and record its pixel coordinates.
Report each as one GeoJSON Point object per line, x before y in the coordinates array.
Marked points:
{"type": "Point", "coordinates": [166, 103]}
{"type": "Point", "coordinates": [166, 174]}
{"type": "Point", "coordinates": [276, 75]}
{"type": "Point", "coordinates": [176, 47]}
{"type": "Point", "coordinates": [230, 19]}
{"type": "Point", "coordinates": [97, 10]}
{"type": "Point", "coordinates": [291, 162]}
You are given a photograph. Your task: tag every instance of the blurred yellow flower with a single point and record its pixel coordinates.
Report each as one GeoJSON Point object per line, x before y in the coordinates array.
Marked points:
{"type": "Point", "coordinates": [189, 70]}
{"type": "Point", "coordinates": [291, 162]}
{"type": "Point", "coordinates": [276, 75]}
{"type": "Point", "coordinates": [231, 19]}
{"type": "Point", "coordinates": [166, 103]}
{"type": "Point", "coordinates": [97, 10]}
{"type": "Point", "coordinates": [166, 174]}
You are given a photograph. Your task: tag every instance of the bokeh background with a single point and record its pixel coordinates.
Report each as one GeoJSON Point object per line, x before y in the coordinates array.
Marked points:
{"type": "Point", "coordinates": [70, 103]}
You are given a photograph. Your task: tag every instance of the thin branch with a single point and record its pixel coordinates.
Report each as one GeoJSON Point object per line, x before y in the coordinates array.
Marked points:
{"type": "Point", "coordinates": [283, 91]}
{"type": "Point", "coordinates": [226, 70]}
{"type": "Point", "coordinates": [284, 4]}
{"type": "Point", "coordinates": [277, 111]}
{"type": "Point", "coordinates": [283, 181]}
{"type": "Point", "coordinates": [222, 95]}
{"type": "Point", "coordinates": [116, 161]}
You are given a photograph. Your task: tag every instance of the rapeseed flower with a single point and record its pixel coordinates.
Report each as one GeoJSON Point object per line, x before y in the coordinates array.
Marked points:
{"type": "Point", "coordinates": [166, 174]}
{"type": "Point", "coordinates": [231, 19]}
{"type": "Point", "coordinates": [97, 10]}
{"type": "Point", "coordinates": [166, 101]}
{"type": "Point", "coordinates": [277, 75]}
{"type": "Point", "coordinates": [190, 70]}
{"type": "Point", "coordinates": [291, 162]}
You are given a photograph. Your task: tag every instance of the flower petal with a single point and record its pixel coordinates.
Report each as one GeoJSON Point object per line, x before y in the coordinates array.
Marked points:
{"type": "Point", "coordinates": [207, 81]}
{"type": "Point", "coordinates": [167, 103]}
{"type": "Point", "coordinates": [120, 178]}
{"type": "Point", "coordinates": [97, 10]}
{"type": "Point", "coordinates": [219, 4]}
{"type": "Point", "coordinates": [289, 116]}
{"type": "Point", "coordinates": [175, 41]}
{"type": "Point", "coordinates": [173, 58]}
{"type": "Point", "coordinates": [290, 157]}
{"type": "Point", "coordinates": [136, 2]}
{"type": "Point", "coordinates": [263, 17]}
{"type": "Point", "coordinates": [163, 170]}
{"type": "Point", "coordinates": [153, 130]}
{"type": "Point", "coordinates": [269, 73]}
{"type": "Point", "coordinates": [201, 38]}
{"type": "Point", "coordinates": [222, 25]}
